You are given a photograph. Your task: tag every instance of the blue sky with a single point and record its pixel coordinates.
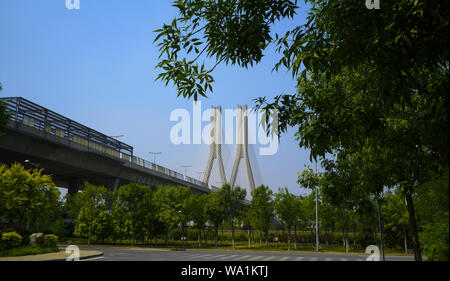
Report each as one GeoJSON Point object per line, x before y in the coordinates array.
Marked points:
{"type": "Point", "coordinates": [95, 65]}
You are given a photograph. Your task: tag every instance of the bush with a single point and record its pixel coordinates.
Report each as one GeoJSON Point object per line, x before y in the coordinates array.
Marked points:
{"type": "Point", "coordinates": [11, 240]}
{"type": "Point", "coordinates": [48, 241]}
{"type": "Point", "coordinates": [435, 241]}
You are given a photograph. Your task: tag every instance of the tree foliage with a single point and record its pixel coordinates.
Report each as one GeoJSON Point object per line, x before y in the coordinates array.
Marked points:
{"type": "Point", "coordinates": [28, 197]}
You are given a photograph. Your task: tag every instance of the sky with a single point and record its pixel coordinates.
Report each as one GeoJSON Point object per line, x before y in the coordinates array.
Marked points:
{"type": "Point", "coordinates": [96, 65]}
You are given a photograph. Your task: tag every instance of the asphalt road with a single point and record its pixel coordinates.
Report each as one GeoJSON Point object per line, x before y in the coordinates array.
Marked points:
{"type": "Point", "coordinates": [142, 254]}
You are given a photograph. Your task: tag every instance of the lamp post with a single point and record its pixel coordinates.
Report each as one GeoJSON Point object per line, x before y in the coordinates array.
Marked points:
{"type": "Point", "coordinates": [380, 225]}
{"type": "Point", "coordinates": [317, 218]}
{"type": "Point", "coordinates": [185, 169]}
{"type": "Point", "coordinates": [200, 175]}
{"type": "Point", "coordinates": [36, 165]}
{"type": "Point", "coordinates": [154, 156]}
{"type": "Point", "coordinates": [116, 137]}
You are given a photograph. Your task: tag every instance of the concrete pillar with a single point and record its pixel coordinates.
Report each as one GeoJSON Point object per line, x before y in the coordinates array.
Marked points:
{"type": "Point", "coordinates": [113, 184]}
{"type": "Point", "coordinates": [242, 147]}
{"type": "Point", "coordinates": [215, 151]}
{"type": "Point", "coordinates": [75, 184]}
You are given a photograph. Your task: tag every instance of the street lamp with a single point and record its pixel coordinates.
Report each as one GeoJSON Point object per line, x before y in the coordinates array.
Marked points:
{"type": "Point", "coordinates": [200, 175]}
{"type": "Point", "coordinates": [317, 218]}
{"type": "Point", "coordinates": [154, 156]}
{"type": "Point", "coordinates": [36, 165]}
{"type": "Point", "coordinates": [185, 169]}
{"type": "Point", "coordinates": [115, 137]}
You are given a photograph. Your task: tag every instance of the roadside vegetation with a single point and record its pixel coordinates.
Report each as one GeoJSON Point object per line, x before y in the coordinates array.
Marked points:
{"type": "Point", "coordinates": [173, 217]}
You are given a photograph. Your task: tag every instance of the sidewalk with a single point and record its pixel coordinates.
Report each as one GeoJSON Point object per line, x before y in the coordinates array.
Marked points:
{"type": "Point", "coordinates": [60, 256]}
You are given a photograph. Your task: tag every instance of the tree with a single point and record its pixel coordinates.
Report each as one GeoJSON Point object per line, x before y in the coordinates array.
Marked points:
{"type": "Point", "coordinates": [198, 213]}
{"type": "Point", "coordinates": [373, 78]}
{"type": "Point", "coordinates": [262, 206]}
{"type": "Point", "coordinates": [27, 196]}
{"type": "Point", "coordinates": [396, 214]}
{"type": "Point", "coordinates": [286, 209]}
{"type": "Point", "coordinates": [233, 200]}
{"type": "Point", "coordinates": [433, 216]}
{"type": "Point", "coordinates": [173, 207]}
{"type": "Point", "coordinates": [91, 219]}
{"type": "Point", "coordinates": [134, 203]}
{"type": "Point", "coordinates": [215, 212]}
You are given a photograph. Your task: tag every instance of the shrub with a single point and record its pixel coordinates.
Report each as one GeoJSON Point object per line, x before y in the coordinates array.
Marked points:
{"type": "Point", "coordinates": [11, 240]}
{"type": "Point", "coordinates": [435, 241]}
{"type": "Point", "coordinates": [48, 241]}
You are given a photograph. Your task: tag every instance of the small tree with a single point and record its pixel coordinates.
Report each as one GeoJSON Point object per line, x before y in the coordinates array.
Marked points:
{"type": "Point", "coordinates": [233, 200]}
{"type": "Point", "coordinates": [93, 201]}
{"type": "Point", "coordinates": [215, 212]}
{"type": "Point", "coordinates": [286, 209]}
{"type": "Point", "coordinates": [198, 213]}
{"type": "Point", "coordinates": [262, 207]}
{"type": "Point", "coordinates": [28, 196]}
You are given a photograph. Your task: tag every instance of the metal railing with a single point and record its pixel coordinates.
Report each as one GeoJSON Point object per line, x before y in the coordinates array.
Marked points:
{"type": "Point", "coordinates": [33, 115]}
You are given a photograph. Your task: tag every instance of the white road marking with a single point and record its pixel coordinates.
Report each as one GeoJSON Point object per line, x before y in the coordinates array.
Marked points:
{"type": "Point", "coordinates": [91, 259]}
{"type": "Point", "coordinates": [256, 258]}
{"type": "Point", "coordinates": [269, 258]}
{"type": "Point", "coordinates": [204, 256]}
{"type": "Point", "coordinates": [328, 259]}
{"type": "Point", "coordinates": [216, 256]}
{"type": "Point", "coordinates": [284, 258]}
{"type": "Point", "coordinates": [242, 257]}
{"type": "Point", "coordinates": [313, 259]}
{"type": "Point", "coordinates": [344, 259]}
{"type": "Point", "coordinates": [299, 258]}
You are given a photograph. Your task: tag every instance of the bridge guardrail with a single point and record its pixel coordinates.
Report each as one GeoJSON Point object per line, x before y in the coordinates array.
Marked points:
{"type": "Point", "coordinates": [33, 115]}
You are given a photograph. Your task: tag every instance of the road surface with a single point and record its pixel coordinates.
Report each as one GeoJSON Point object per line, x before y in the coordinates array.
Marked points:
{"type": "Point", "coordinates": [145, 254]}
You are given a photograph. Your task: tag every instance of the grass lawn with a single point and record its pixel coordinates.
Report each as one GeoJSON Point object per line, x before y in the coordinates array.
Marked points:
{"type": "Point", "coordinates": [239, 245]}
{"type": "Point", "coordinates": [27, 250]}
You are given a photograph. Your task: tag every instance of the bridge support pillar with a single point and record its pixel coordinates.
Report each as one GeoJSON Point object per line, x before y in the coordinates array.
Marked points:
{"type": "Point", "coordinates": [75, 184]}
{"type": "Point", "coordinates": [113, 184]}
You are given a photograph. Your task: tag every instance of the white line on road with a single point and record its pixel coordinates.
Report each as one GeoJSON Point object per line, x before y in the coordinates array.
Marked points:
{"type": "Point", "coordinates": [284, 258]}
{"type": "Point", "coordinates": [269, 258]}
{"type": "Point", "coordinates": [313, 259]}
{"type": "Point", "coordinates": [299, 258]}
{"type": "Point", "coordinates": [216, 256]}
{"type": "Point", "coordinates": [204, 256]}
{"type": "Point", "coordinates": [242, 257]}
{"type": "Point", "coordinates": [256, 258]}
{"type": "Point", "coordinates": [91, 259]}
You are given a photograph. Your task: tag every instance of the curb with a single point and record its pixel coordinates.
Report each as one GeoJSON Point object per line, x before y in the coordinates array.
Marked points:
{"type": "Point", "coordinates": [99, 254]}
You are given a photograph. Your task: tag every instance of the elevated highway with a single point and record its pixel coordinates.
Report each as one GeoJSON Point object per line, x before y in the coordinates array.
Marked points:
{"type": "Point", "coordinates": [73, 153]}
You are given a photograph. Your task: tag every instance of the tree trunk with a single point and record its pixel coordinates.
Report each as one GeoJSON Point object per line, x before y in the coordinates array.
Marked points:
{"type": "Point", "coordinates": [199, 237]}
{"type": "Point", "coordinates": [216, 233]}
{"type": "Point", "coordinates": [413, 224]}
{"type": "Point", "coordinates": [232, 234]}
{"type": "Point", "coordinates": [295, 236]}
{"type": "Point", "coordinates": [289, 238]}
{"type": "Point", "coordinates": [249, 241]}
{"type": "Point", "coordinates": [267, 238]}
{"type": "Point", "coordinates": [405, 238]}
{"type": "Point", "coordinates": [222, 233]}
